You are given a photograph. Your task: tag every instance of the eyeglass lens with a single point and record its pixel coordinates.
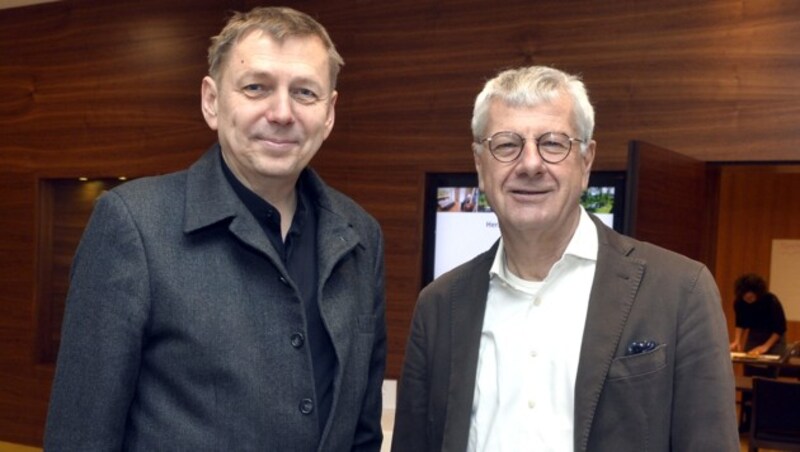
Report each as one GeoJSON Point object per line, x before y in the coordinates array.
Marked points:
{"type": "Point", "coordinates": [507, 146]}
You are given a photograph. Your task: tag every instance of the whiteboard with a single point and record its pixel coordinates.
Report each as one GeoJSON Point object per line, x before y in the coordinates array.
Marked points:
{"type": "Point", "coordinates": [784, 275]}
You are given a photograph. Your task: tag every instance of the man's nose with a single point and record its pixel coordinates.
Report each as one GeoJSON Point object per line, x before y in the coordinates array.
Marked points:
{"type": "Point", "coordinates": [280, 108]}
{"type": "Point", "coordinates": [530, 157]}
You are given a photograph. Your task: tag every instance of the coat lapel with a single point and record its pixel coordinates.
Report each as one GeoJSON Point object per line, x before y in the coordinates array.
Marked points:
{"type": "Point", "coordinates": [210, 199]}
{"type": "Point", "coordinates": [336, 237]}
{"type": "Point", "coordinates": [467, 308]}
{"type": "Point", "coordinates": [616, 282]}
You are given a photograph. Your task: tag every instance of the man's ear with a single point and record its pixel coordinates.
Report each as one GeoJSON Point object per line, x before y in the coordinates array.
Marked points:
{"type": "Point", "coordinates": [478, 164]}
{"type": "Point", "coordinates": [586, 161]}
{"type": "Point", "coordinates": [208, 101]}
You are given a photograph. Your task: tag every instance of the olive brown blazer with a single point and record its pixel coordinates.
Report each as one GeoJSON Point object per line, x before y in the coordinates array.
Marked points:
{"type": "Point", "coordinates": [677, 397]}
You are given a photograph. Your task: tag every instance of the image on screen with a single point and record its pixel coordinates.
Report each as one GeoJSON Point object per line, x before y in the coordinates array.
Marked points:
{"type": "Point", "coordinates": [463, 224]}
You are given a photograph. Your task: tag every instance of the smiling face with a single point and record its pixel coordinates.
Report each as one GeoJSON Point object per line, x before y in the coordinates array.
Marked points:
{"type": "Point", "coordinates": [528, 194]}
{"type": "Point", "coordinates": [272, 107]}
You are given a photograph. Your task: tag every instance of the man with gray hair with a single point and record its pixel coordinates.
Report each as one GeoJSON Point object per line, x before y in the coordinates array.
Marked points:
{"type": "Point", "coordinates": [564, 335]}
{"type": "Point", "coordinates": [239, 304]}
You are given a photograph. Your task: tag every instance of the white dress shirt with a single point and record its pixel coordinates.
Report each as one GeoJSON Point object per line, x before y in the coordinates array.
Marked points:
{"type": "Point", "coordinates": [529, 351]}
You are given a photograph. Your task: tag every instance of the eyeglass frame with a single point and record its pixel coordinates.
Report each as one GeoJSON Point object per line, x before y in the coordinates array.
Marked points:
{"type": "Point", "coordinates": [536, 140]}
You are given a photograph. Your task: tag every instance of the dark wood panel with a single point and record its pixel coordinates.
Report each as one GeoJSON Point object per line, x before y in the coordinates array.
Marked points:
{"type": "Point", "coordinates": [105, 88]}
{"type": "Point", "coordinates": [668, 200]}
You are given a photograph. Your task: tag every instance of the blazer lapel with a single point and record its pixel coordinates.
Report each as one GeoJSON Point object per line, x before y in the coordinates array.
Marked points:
{"type": "Point", "coordinates": [616, 282]}
{"type": "Point", "coordinates": [467, 308]}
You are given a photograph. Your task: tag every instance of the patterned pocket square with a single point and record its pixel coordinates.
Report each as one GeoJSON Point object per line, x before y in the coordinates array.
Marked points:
{"type": "Point", "coordinates": [637, 347]}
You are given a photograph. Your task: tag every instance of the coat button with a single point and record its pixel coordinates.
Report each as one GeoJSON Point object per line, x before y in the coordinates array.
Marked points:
{"type": "Point", "coordinates": [306, 406]}
{"type": "Point", "coordinates": [297, 340]}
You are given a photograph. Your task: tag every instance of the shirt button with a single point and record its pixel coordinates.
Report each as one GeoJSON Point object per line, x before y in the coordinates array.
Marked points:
{"type": "Point", "coordinates": [306, 406]}
{"type": "Point", "coordinates": [297, 340]}
{"type": "Point", "coordinates": [537, 301]}
{"type": "Point", "coordinates": [533, 353]}
{"type": "Point", "coordinates": [531, 404]}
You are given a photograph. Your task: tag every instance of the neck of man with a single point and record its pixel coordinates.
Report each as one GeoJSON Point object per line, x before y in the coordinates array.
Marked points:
{"type": "Point", "coordinates": [531, 253]}
{"type": "Point", "coordinates": [287, 207]}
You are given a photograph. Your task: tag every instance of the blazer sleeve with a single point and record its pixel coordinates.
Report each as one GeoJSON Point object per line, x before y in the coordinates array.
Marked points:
{"type": "Point", "coordinates": [703, 412]}
{"type": "Point", "coordinates": [102, 334]}
{"type": "Point", "coordinates": [369, 431]}
{"type": "Point", "coordinates": [411, 428]}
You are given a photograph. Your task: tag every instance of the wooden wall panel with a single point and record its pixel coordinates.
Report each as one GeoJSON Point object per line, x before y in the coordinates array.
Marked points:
{"type": "Point", "coordinates": [103, 88]}
{"type": "Point", "coordinates": [668, 200]}
{"type": "Point", "coordinates": [23, 385]}
{"type": "Point", "coordinates": [757, 203]}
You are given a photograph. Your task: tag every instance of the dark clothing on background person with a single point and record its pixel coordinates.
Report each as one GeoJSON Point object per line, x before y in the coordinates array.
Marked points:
{"type": "Point", "coordinates": [189, 332]}
{"type": "Point", "coordinates": [762, 318]}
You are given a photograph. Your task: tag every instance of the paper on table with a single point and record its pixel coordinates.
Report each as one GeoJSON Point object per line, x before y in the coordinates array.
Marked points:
{"type": "Point", "coordinates": [743, 355]}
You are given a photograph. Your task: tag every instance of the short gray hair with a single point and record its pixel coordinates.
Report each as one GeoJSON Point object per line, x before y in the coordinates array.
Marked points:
{"type": "Point", "coordinates": [531, 86]}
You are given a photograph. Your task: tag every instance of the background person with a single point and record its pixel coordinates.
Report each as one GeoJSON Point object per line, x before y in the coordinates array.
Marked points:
{"type": "Point", "coordinates": [760, 329]}
{"type": "Point", "coordinates": [760, 321]}
{"type": "Point", "coordinates": [239, 304]}
{"type": "Point", "coordinates": [565, 335]}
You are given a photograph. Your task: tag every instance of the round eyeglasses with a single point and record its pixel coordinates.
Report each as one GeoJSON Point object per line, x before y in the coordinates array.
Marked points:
{"type": "Point", "coordinates": [553, 147]}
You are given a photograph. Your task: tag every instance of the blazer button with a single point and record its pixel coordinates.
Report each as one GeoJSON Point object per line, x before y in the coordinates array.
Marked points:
{"type": "Point", "coordinates": [284, 281]}
{"type": "Point", "coordinates": [297, 340]}
{"type": "Point", "coordinates": [306, 406]}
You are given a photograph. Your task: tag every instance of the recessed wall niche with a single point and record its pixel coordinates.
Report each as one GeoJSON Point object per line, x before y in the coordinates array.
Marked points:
{"type": "Point", "coordinates": [65, 205]}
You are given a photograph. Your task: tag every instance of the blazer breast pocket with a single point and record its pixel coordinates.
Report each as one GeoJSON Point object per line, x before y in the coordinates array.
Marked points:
{"type": "Point", "coordinates": [640, 364]}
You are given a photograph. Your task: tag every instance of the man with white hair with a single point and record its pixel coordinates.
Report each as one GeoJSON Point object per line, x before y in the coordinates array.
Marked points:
{"type": "Point", "coordinates": [565, 335]}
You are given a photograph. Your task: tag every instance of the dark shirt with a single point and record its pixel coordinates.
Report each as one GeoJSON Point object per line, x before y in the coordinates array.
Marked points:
{"type": "Point", "coordinates": [762, 317]}
{"type": "Point", "coordinates": [299, 254]}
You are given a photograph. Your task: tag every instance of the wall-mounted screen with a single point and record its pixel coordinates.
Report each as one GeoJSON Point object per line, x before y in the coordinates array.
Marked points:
{"type": "Point", "coordinates": [459, 223]}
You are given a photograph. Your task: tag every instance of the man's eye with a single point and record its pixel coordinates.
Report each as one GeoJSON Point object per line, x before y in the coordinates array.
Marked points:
{"type": "Point", "coordinates": [305, 95]}
{"type": "Point", "coordinates": [505, 145]}
{"type": "Point", "coordinates": [253, 89]}
{"type": "Point", "coordinates": [553, 146]}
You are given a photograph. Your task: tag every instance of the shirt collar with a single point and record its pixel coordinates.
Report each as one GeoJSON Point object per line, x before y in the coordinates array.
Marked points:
{"type": "Point", "coordinates": [583, 245]}
{"type": "Point", "coordinates": [263, 210]}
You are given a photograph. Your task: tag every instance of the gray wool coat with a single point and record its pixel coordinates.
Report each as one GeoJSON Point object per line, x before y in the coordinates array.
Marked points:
{"type": "Point", "coordinates": [677, 397]}
{"type": "Point", "coordinates": [179, 318]}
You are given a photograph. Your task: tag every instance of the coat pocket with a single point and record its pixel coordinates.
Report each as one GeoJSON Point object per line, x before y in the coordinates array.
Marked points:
{"type": "Point", "coordinates": [640, 364]}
